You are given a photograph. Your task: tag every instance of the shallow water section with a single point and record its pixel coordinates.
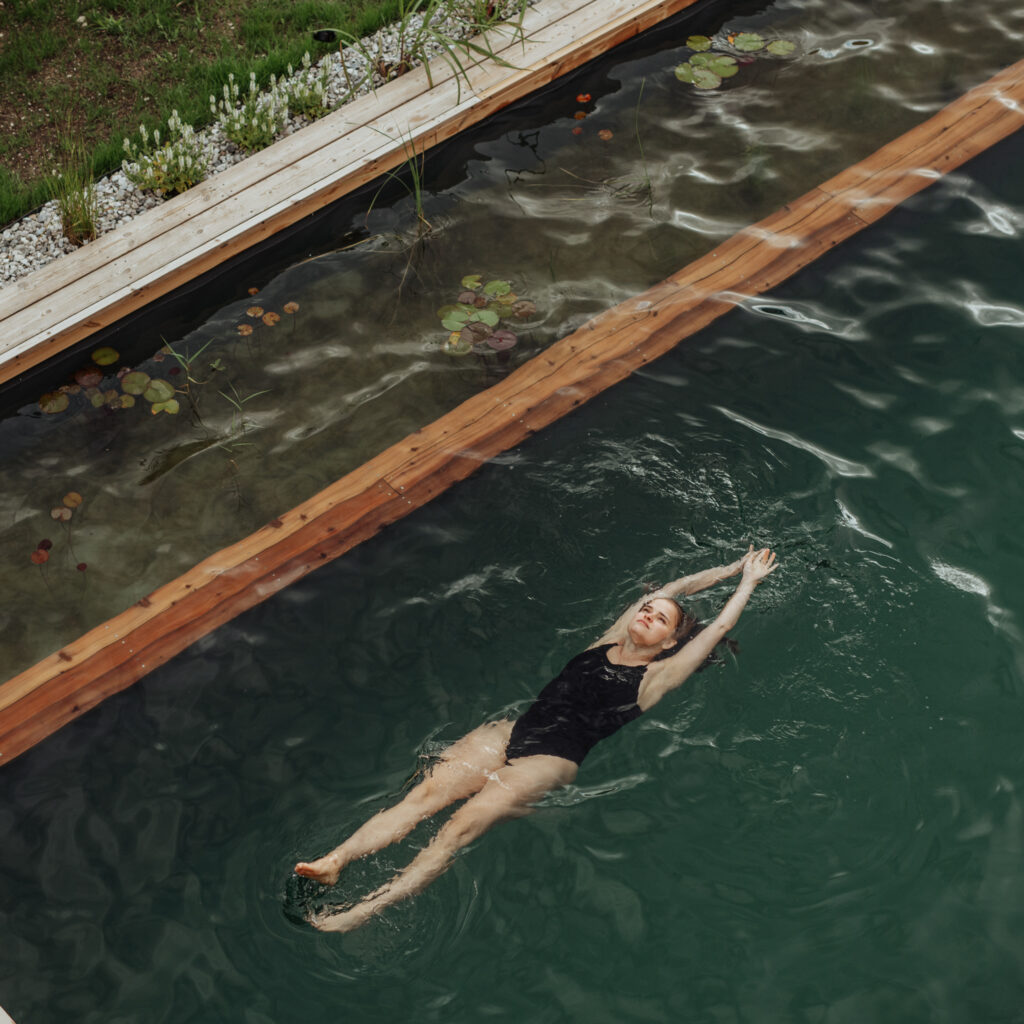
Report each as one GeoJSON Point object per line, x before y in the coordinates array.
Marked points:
{"type": "Point", "coordinates": [827, 828]}
{"type": "Point", "coordinates": [270, 412]}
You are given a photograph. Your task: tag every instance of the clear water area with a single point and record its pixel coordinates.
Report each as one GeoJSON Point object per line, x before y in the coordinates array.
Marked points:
{"type": "Point", "coordinates": [826, 828]}
{"type": "Point", "coordinates": [574, 222]}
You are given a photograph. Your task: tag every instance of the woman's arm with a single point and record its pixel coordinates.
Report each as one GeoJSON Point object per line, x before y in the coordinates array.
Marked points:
{"type": "Point", "coordinates": [664, 676]}
{"type": "Point", "coordinates": [684, 585]}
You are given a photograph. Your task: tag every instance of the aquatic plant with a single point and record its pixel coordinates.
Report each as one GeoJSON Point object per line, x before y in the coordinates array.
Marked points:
{"type": "Point", "coordinates": [473, 319]}
{"type": "Point", "coordinates": [170, 166]}
{"type": "Point", "coordinates": [707, 69]}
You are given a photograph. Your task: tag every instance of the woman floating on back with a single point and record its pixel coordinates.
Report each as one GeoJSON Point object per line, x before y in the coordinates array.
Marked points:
{"type": "Point", "coordinates": [504, 767]}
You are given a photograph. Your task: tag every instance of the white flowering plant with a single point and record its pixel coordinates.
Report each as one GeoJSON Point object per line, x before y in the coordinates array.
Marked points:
{"type": "Point", "coordinates": [306, 91]}
{"type": "Point", "coordinates": [253, 122]}
{"type": "Point", "coordinates": [166, 166]}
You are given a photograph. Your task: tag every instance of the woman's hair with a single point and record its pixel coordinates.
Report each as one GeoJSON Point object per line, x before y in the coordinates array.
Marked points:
{"type": "Point", "coordinates": [686, 629]}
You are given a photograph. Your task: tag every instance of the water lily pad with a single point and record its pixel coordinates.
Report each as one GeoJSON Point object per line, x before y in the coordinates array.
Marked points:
{"type": "Point", "coordinates": [135, 383]}
{"type": "Point", "coordinates": [699, 43]}
{"type": "Point", "coordinates": [112, 399]}
{"type": "Point", "coordinates": [61, 514]}
{"type": "Point", "coordinates": [53, 401]}
{"type": "Point", "coordinates": [96, 398]}
{"type": "Point", "coordinates": [781, 47]}
{"type": "Point", "coordinates": [105, 356]}
{"type": "Point", "coordinates": [495, 288]}
{"type": "Point", "coordinates": [502, 340]}
{"type": "Point", "coordinates": [39, 556]}
{"type": "Point", "coordinates": [127, 401]}
{"type": "Point", "coordinates": [171, 406]}
{"type": "Point", "coordinates": [703, 78]}
{"type": "Point", "coordinates": [467, 297]}
{"type": "Point", "coordinates": [503, 309]}
{"type": "Point", "coordinates": [457, 345]}
{"type": "Point", "coordinates": [72, 499]}
{"type": "Point", "coordinates": [45, 544]}
{"type": "Point", "coordinates": [446, 311]}
{"type": "Point", "coordinates": [471, 281]}
{"type": "Point", "coordinates": [701, 60]}
{"type": "Point", "coordinates": [475, 332]}
{"type": "Point", "coordinates": [81, 567]}
{"type": "Point", "coordinates": [158, 391]}
{"type": "Point", "coordinates": [748, 42]}
{"type": "Point", "coordinates": [88, 378]}
{"type": "Point", "coordinates": [488, 317]}
{"type": "Point", "coordinates": [723, 66]}
{"type": "Point", "coordinates": [684, 72]}
{"type": "Point", "coordinates": [523, 309]}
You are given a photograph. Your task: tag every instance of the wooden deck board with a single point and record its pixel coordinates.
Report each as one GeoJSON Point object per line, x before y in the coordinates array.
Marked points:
{"type": "Point", "coordinates": [570, 372]}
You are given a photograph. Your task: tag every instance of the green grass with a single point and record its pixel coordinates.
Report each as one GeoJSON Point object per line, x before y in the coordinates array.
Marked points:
{"type": "Point", "coordinates": [134, 61]}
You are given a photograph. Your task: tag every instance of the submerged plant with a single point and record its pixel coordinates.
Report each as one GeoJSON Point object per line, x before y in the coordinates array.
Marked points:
{"type": "Point", "coordinates": [707, 69]}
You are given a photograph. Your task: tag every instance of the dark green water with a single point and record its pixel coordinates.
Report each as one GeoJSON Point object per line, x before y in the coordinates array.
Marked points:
{"type": "Point", "coordinates": [825, 829]}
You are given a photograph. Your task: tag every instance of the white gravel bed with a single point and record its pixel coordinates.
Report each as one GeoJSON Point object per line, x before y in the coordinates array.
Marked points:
{"type": "Point", "coordinates": [37, 239]}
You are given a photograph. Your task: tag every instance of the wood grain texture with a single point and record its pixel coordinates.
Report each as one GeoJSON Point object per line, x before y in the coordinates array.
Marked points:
{"type": "Point", "coordinates": [601, 352]}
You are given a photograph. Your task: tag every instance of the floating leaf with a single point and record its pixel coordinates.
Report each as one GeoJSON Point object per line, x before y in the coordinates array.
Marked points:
{"type": "Point", "coordinates": [245, 329]}
{"type": "Point", "coordinates": [39, 556]}
{"type": "Point", "coordinates": [475, 332]}
{"type": "Point", "coordinates": [171, 406]}
{"type": "Point", "coordinates": [488, 317]}
{"type": "Point", "coordinates": [502, 340]}
{"type": "Point", "coordinates": [254, 291]}
{"type": "Point", "coordinates": [471, 281]}
{"type": "Point", "coordinates": [291, 307]}
{"type": "Point", "coordinates": [88, 378]}
{"type": "Point", "coordinates": [781, 47]}
{"type": "Point", "coordinates": [81, 567]}
{"type": "Point", "coordinates": [158, 391]}
{"type": "Point", "coordinates": [583, 97]}
{"type": "Point", "coordinates": [105, 356]}
{"type": "Point", "coordinates": [605, 134]}
{"type": "Point", "coordinates": [723, 66]}
{"type": "Point", "coordinates": [684, 72]}
{"type": "Point", "coordinates": [523, 308]}
{"type": "Point", "coordinates": [60, 514]}
{"type": "Point", "coordinates": [53, 401]}
{"type": "Point", "coordinates": [135, 383]}
{"type": "Point", "coordinates": [271, 318]}
{"type": "Point", "coordinates": [748, 42]}
{"type": "Point", "coordinates": [127, 401]}
{"type": "Point", "coordinates": [705, 79]}
{"type": "Point", "coordinates": [702, 60]}
{"type": "Point", "coordinates": [503, 309]}
{"type": "Point", "coordinates": [96, 398]}
{"type": "Point", "coordinates": [72, 499]}
{"type": "Point", "coordinates": [699, 43]}
{"type": "Point", "coordinates": [456, 345]}
{"type": "Point", "coordinates": [577, 130]}
{"type": "Point", "coordinates": [580, 115]}
{"type": "Point", "coordinates": [496, 288]}
{"type": "Point", "coordinates": [445, 311]}
{"type": "Point", "coordinates": [466, 297]}
{"type": "Point", "coordinates": [112, 398]}
{"type": "Point", "coordinates": [45, 544]}
{"type": "Point", "coordinates": [254, 311]}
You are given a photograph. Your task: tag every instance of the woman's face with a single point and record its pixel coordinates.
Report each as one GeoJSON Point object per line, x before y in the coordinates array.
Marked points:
{"type": "Point", "coordinates": [654, 625]}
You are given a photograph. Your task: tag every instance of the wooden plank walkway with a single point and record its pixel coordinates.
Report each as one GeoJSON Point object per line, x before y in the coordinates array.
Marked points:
{"type": "Point", "coordinates": [573, 370]}
{"type": "Point", "coordinates": [60, 304]}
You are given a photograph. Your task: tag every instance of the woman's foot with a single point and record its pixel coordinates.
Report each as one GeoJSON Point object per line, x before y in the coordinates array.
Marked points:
{"type": "Point", "coordinates": [346, 921]}
{"type": "Point", "coordinates": [325, 870]}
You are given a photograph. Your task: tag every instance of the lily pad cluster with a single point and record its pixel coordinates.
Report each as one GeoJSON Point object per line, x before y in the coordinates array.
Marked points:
{"type": "Point", "coordinates": [716, 59]}
{"type": "Point", "coordinates": [474, 320]}
{"type": "Point", "coordinates": [130, 386]}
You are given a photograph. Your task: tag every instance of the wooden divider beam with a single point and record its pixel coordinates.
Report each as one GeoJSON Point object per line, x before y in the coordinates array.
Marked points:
{"type": "Point", "coordinates": [558, 380]}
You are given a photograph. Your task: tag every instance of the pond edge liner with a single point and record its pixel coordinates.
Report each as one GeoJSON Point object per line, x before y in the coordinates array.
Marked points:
{"type": "Point", "coordinates": [59, 305]}
{"type": "Point", "coordinates": [573, 370]}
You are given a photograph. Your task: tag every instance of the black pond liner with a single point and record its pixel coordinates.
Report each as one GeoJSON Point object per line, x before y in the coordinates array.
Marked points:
{"type": "Point", "coordinates": [342, 223]}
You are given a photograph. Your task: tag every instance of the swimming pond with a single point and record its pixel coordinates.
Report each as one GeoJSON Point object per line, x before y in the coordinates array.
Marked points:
{"type": "Point", "coordinates": [269, 416]}
{"type": "Point", "coordinates": [827, 828]}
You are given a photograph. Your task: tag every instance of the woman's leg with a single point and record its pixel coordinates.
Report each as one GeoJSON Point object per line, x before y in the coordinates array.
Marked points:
{"type": "Point", "coordinates": [463, 770]}
{"type": "Point", "coordinates": [509, 794]}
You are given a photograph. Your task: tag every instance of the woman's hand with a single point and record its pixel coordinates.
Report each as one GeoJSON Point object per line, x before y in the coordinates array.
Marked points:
{"type": "Point", "coordinates": [758, 564]}
{"type": "Point", "coordinates": [735, 568]}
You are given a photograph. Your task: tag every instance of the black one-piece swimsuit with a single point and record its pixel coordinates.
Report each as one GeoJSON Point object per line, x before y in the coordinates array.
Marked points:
{"type": "Point", "coordinates": [587, 701]}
